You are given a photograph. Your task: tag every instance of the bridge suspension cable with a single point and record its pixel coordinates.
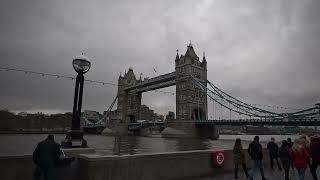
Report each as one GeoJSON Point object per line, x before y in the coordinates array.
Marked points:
{"type": "Point", "coordinates": [100, 121]}
{"type": "Point", "coordinates": [235, 105]}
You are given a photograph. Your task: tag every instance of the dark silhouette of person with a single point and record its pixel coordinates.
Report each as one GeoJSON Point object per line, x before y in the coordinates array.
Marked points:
{"type": "Point", "coordinates": [290, 143]}
{"type": "Point", "coordinates": [315, 155]}
{"type": "Point", "coordinates": [255, 151]}
{"type": "Point", "coordinates": [285, 158]}
{"type": "Point", "coordinates": [239, 158]}
{"type": "Point", "coordinates": [273, 153]}
{"type": "Point", "coordinates": [45, 156]}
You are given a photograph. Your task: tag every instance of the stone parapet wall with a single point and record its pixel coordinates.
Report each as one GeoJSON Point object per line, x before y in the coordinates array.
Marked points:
{"type": "Point", "coordinates": [158, 166]}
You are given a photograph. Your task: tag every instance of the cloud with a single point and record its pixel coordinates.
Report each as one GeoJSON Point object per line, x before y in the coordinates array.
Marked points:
{"type": "Point", "coordinates": [264, 52]}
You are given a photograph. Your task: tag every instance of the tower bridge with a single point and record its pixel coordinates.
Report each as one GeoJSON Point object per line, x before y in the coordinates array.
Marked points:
{"type": "Point", "coordinates": [193, 90]}
{"type": "Point", "coordinates": [191, 103]}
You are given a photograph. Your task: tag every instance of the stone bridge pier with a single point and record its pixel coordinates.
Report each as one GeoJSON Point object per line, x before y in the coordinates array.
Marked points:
{"type": "Point", "coordinates": [189, 129]}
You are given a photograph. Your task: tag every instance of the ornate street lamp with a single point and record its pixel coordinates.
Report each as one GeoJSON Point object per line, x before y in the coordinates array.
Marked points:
{"type": "Point", "coordinates": [81, 65]}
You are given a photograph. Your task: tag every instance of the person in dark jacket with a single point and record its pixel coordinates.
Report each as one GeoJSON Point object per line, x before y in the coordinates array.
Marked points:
{"type": "Point", "coordinates": [315, 155]}
{"type": "Point", "coordinates": [273, 153]}
{"type": "Point", "coordinates": [45, 156]}
{"type": "Point", "coordinates": [255, 151]}
{"type": "Point", "coordinates": [239, 158]}
{"type": "Point", "coordinates": [285, 158]}
{"type": "Point", "coordinates": [290, 143]}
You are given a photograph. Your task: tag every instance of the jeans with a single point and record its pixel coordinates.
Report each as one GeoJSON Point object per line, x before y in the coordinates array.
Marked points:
{"type": "Point", "coordinates": [257, 165]}
{"type": "Point", "coordinates": [301, 173]}
{"type": "Point", "coordinates": [39, 171]}
{"type": "Point", "coordinates": [244, 169]}
{"type": "Point", "coordinates": [271, 163]}
{"type": "Point", "coordinates": [286, 166]}
{"type": "Point", "coordinates": [313, 168]}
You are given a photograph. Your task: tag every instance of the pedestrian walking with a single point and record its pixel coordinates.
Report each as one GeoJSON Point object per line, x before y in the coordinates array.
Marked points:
{"type": "Point", "coordinates": [273, 149]}
{"type": "Point", "coordinates": [285, 158]}
{"type": "Point", "coordinates": [255, 152]}
{"type": "Point", "coordinates": [45, 156]}
{"type": "Point", "coordinates": [290, 143]}
{"type": "Point", "coordinates": [315, 155]}
{"type": "Point", "coordinates": [305, 141]}
{"type": "Point", "coordinates": [239, 158]}
{"type": "Point", "coordinates": [299, 157]}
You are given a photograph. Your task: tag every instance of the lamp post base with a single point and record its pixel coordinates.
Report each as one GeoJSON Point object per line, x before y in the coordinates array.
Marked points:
{"type": "Point", "coordinates": [74, 139]}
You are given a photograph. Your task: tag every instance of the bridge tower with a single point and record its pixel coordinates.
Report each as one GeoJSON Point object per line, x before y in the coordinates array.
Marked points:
{"type": "Point", "coordinates": [129, 103]}
{"type": "Point", "coordinates": [191, 102]}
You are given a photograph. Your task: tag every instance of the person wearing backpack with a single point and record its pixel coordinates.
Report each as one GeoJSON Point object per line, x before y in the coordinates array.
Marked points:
{"type": "Point", "coordinates": [239, 158]}
{"type": "Point", "coordinates": [315, 155]}
{"type": "Point", "coordinates": [273, 153]}
{"type": "Point", "coordinates": [255, 152]}
{"type": "Point", "coordinates": [285, 158]}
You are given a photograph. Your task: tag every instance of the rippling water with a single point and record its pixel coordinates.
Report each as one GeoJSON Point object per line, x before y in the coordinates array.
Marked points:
{"type": "Point", "coordinates": [19, 144]}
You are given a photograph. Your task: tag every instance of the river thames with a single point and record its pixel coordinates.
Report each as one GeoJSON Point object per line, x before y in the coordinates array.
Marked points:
{"type": "Point", "coordinates": [19, 144]}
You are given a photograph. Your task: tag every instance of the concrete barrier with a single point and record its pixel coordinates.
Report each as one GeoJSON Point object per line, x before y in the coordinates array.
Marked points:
{"type": "Point", "coordinates": [22, 167]}
{"type": "Point", "coordinates": [158, 166]}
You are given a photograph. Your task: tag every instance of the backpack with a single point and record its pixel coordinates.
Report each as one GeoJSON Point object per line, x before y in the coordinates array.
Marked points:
{"type": "Point", "coordinates": [284, 154]}
{"type": "Point", "coordinates": [255, 151]}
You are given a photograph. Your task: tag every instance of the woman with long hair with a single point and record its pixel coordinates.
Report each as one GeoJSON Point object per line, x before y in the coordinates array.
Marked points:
{"type": "Point", "coordinates": [300, 157]}
{"type": "Point", "coordinates": [239, 158]}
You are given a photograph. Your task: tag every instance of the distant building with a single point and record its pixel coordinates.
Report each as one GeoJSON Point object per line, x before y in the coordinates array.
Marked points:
{"type": "Point", "coordinates": [23, 114]}
{"type": "Point", "coordinates": [146, 113]}
{"type": "Point", "coordinates": [92, 116]}
{"type": "Point", "coordinates": [34, 122]}
{"type": "Point", "coordinates": [170, 116]}
{"type": "Point", "coordinates": [112, 115]}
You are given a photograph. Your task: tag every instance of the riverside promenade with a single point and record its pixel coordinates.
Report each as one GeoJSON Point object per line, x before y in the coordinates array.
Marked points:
{"type": "Point", "coordinates": [270, 175]}
{"type": "Point", "coordinates": [183, 165]}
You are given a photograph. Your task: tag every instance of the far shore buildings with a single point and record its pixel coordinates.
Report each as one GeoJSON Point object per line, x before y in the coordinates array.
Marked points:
{"type": "Point", "coordinates": [145, 114]}
{"type": "Point", "coordinates": [34, 122]}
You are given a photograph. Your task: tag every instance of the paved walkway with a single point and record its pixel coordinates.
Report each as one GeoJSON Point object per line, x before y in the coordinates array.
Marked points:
{"type": "Point", "coordinates": [270, 175]}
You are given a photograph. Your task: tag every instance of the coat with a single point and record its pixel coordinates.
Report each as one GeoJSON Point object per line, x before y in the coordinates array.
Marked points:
{"type": "Point", "coordinates": [238, 155]}
{"type": "Point", "coordinates": [273, 149]}
{"type": "Point", "coordinates": [46, 154]}
{"type": "Point", "coordinates": [315, 148]}
{"type": "Point", "coordinates": [301, 159]}
{"type": "Point", "coordinates": [255, 151]}
{"type": "Point", "coordinates": [284, 154]}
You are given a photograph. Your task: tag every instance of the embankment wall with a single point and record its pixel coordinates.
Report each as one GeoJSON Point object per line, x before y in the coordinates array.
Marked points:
{"type": "Point", "coordinates": [88, 166]}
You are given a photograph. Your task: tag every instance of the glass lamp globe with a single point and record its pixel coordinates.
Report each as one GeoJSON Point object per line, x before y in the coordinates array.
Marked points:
{"type": "Point", "coordinates": [81, 64]}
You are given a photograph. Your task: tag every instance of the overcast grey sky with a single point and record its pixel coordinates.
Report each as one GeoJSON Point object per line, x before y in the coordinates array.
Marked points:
{"type": "Point", "coordinates": [261, 51]}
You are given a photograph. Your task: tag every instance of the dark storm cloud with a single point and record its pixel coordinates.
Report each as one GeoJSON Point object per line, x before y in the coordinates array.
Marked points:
{"type": "Point", "coordinates": [261, 51]}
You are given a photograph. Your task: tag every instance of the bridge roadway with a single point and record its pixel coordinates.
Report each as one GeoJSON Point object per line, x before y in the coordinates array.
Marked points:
{"type": "Point", "coordinates": [158, 82]}
{"type": "Point", "coordinates": [257, 122]}
{"type": "Point", "coordinates": [240, 122]}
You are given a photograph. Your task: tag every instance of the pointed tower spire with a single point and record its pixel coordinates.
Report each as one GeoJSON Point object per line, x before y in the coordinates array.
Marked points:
{"type": "Point", "coordinates": [177, 56]}
{"type": "Point", "coordinates": [204, 57]}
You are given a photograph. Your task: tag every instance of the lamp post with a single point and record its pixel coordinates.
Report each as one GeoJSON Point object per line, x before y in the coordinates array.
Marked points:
{"type": "Point", "coordinates": [81, 65]}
